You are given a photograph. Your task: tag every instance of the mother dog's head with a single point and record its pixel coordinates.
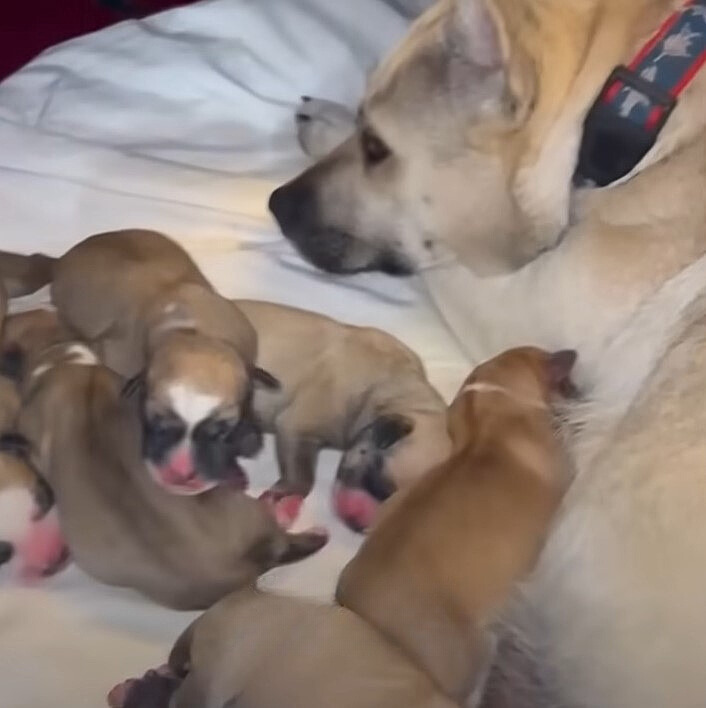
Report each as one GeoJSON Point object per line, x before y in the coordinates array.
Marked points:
{"type": "Point", "coordinates": [466, 139]}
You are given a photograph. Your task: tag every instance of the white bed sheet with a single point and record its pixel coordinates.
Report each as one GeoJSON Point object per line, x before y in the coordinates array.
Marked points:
{"type": "Point", "coordinates": [184, 123]}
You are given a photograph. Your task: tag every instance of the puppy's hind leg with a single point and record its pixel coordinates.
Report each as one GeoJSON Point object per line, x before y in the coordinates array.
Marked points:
{"type": "Point", "coordinates": [322, 126]}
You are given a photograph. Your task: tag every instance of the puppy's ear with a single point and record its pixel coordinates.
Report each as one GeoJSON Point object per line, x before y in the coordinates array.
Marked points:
{"type": "Point", "coordinates": [390, 429]}
{"type": "Point", "coordinates": [12, 362]}
{"type": "Point", "coordinates": [135, 386]}
{"type": "Point", "coordinates": [560, 365]}
{"type": "Point", "coordinates": [15, 444]}
{"type": "Point", "coordinates": [266, 379]}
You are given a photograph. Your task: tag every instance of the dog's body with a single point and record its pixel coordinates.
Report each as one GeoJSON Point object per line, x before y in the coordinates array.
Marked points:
{"type": "Point", "coordinates": [355, 389]}
{"type": "Point", "coordinates": [443, 561]}
{"type": "Point", "coordinates": [470, 135]}
{"type": "Point", "coordinates": [260, 651]}
{"type": "Point", "coordinates": [123, 528]}
{"type": "Point", "coordinates": [143, 304]}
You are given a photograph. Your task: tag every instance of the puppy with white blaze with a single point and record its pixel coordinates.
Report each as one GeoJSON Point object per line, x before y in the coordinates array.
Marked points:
{"type": "Point", "coordinates": [542, 165]}
{"type": "Point", "coordinates": [140, 300]}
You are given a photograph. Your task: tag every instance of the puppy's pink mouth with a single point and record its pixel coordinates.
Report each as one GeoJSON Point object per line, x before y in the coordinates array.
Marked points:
{"type": "Point", "coordinates": [43, 552]}
{"type": "Point", "coordinates": [355, 507]}
{"type": "Point", "coordinates": [180, 476]}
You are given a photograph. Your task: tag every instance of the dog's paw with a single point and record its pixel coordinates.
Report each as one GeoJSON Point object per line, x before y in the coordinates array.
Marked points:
{"type": "Point", "coordinates": [322, 126]}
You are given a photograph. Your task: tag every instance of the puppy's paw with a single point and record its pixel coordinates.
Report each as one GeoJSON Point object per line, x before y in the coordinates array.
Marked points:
{"type": "Point", "coordinates": [322, 126]}
{"type": "Point", "coordinates": [284, 507]}
{"type": "Point", "coordinates": [153, 690]}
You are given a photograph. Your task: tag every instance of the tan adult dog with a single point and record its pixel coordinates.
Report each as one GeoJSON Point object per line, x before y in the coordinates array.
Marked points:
{"type": "Point", "coordinates": [141, 301]}
{"type": "Point", "coordinates": [263, 651]}
{"type": "Point", "coordinates": [442, 563]}
{"type": "Point", "coordinates": [461, 168]}
{"type": "Point", "coordinates": [356, 389]}
{"type": "Point", "coordinates": [123, 529]}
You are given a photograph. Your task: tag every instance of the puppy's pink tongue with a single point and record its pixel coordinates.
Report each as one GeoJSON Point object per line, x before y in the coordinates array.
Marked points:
{"type": "Point", "coordinates": [355, 507]}
{"type": "Point", "coordinates": [42, 551]}
{"type": "Point", "coordinates": [180, 468]}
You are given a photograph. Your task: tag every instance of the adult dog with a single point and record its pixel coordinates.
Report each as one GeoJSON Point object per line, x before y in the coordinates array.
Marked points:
{"type": "Point", "coordinates": [460, 168]}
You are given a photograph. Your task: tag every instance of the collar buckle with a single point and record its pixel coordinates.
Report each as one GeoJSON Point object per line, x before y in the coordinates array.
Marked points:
{"type": "Point", "coordinates": [614, 142]}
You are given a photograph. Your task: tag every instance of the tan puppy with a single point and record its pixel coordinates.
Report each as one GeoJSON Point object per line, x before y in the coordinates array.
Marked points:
{"type": "Point", "coordinates": [141, 301]}
{"type": "Point", "coordinates": [356, 389]}
{"type": "Point", "coordinates": [122, 528]}
{"type": "Point", "coordinates": [27, 334]}
{"type": "Point", "coordinates": [443, 561]}
{"type": "Point", "coordinates": [262, 651]}
{"type": "Point", "coordinates": [31, 545]}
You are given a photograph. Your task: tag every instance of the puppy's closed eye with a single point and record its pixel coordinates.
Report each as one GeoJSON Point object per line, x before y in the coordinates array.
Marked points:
{"type": "Point", "coordinates": [375, 150]}
{"type": "Point", "coordinates": [164, 430]}
{"type": "Point", "coordinates": [389, 429]}
{"type": "Point", "coordinates": [216, 429]}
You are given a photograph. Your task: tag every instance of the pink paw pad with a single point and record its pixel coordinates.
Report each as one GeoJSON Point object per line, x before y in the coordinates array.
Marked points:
{"type": "Point", "coordinates": [285, 509]}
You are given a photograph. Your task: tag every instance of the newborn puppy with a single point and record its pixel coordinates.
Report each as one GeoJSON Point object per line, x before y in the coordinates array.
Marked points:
{"type": "Point", "coordinates": [151, 315]}
{"type": "Point", "coordinates": [445, 558]}
{"type": "Point", "coordinates": [355, 389]}
{"type": "Point", "coordinates": [25, 335]}
{"type": "Point", "coordinates": [123, 529]}
{"type": "Point", "coordinates": [263, 651]}
{"type": "Point", "coordinates": [31, 545]}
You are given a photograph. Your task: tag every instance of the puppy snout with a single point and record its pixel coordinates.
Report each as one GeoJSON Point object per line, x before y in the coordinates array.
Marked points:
{"type": "Point", "coordinates": [378, 485]}
{"type": "Point", "coordinates": [292, 205]}
{"type": "Point", "coordinates": [248, 439]}
{"type": "Point", "coordinates": [7, 550]}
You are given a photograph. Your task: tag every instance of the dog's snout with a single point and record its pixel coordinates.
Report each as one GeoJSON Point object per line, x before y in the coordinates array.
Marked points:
{"type": "Point", "coordinates": [291, 205]}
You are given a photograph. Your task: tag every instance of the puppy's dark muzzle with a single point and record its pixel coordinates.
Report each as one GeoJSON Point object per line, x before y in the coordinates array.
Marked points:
{"type": "Point", "coordinates": [7, 551]}
{"type": "Point", "coordinates": [216, 457]}
{"type": "Point", "coordinates": [371, 480]}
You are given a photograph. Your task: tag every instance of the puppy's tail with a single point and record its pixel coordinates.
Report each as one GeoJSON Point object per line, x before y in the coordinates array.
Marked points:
{"type": "Point", "coordinates": [302, 545]}
{"type": "Point", "coordinates": [24, 275]}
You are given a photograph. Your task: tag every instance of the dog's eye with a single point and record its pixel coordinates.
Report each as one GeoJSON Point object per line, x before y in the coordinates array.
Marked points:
{"type": "Point", "coordinates": [374, 150]}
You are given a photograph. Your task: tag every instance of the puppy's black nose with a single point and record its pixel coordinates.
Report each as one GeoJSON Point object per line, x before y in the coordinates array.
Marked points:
{"type": "Point", "coordinates": [7, 550]}
{"type": "Point", "coordinates": [291, 207]}
{"type": "Point", "coordinates": [378, 485]}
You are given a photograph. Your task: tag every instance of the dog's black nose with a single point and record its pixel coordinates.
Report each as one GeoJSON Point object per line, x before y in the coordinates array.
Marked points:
{"type": "Point", "coordinates": [291, 207]}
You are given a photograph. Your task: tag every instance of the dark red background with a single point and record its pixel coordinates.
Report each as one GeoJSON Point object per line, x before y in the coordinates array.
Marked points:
{"type": "Point", "coordinates": [29, 26]}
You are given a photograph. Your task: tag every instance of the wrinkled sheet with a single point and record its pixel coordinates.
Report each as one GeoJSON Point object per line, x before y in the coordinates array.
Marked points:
{"type": "Point", "coordinates": [184, 123]}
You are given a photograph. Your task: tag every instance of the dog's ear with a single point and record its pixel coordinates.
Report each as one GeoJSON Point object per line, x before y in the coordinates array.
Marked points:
{"type": "Point", "coordinates": [390, 429]}
{"type": "Point", "coordinates": [560, 365]}
{"type": "Point", "coordinates": [12, 362]}
{"type": "Point", "coordinates": [266, 379]}
{"type": "Point", "coordinates": [518, 36]}
{"type": "Point", "coordinates": [480, 32]}
{"type": "Point", "coordinates": [136, 386]}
